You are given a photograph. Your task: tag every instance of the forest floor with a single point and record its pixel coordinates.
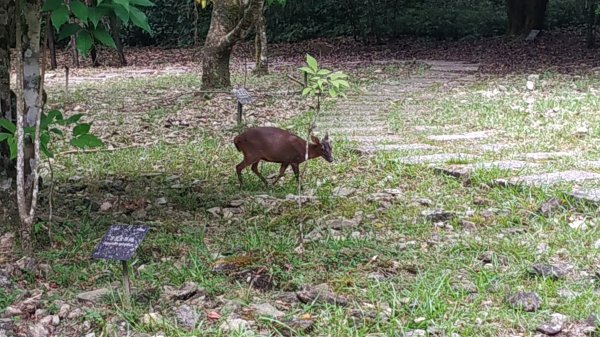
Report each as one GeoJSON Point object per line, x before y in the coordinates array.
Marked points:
{"type": "Point", "coordinates": [423, 226]}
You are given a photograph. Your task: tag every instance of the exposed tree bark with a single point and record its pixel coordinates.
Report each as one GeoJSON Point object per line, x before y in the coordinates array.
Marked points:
{"type": "Point", "coordinates": [591, 24]}
{"type": "Point", "coordinates": [260, 43]}
{"type": "Point", "coordinates": [29, 105]}
{"type": "Point", "coordinates": [231, 21]}
{"type": "Point", "coordinates": [51, 46]}
{"type": "Point", "coordinates": [94, 55]}
{"type": "Point", "coordinates": [115, 31]}
{"type": "Point", "coordinates": [7, 99]}
{"type": "Point", "coordinates": [525, 15]}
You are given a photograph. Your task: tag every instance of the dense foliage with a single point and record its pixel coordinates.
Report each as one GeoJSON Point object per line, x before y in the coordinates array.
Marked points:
{"type": "Point", "coordinates": [174, 21]}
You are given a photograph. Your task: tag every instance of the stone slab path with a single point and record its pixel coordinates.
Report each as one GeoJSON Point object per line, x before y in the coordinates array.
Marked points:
{"type": "Point", "coordinates": [448, 149]}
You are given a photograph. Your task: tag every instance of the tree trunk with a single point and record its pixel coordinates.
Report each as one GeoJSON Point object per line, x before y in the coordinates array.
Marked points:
{"type": "Point", "coordinates": [29, 102]}
{"type": "Point", "coordinates": [115, 31]}
{"type": "Point", "coordinates": [591, 24]}
{"type": "Point", "coordinates": [51, 40]}
{"type": "Point", "coordinates": [260, 43]}
{"type": "Point", "coordinates": [525, 15]}
{"type": "Point", "coordinates": [230, 23]}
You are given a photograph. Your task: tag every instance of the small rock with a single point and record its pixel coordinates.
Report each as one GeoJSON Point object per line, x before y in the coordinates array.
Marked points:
{"type": "Point", "coordinates": [94, 296]}
{"type": "Point", "coordinates": [548, 270]}
{"type": "Point", "coordinates": [185, 292]}
{"type": "Point", "coordinates": [423, 202]}
{"type": "Point", "coordinates": [215, 211]}
{"type": "Point", "coordinates": [161, 201]}
{"type": "Point", "coordinates": [526, 301]}
{"type": "Point", "coordinates": [568, 294]}
{"type": "Point", "coordinates": [235, 324]}
{"type": "Point", "coordinates": [468, 225]}
{"type": "Point", "coordinates": [342, 223]}
{"type": "Point", "coordinates": [152, 318]}
{"type": "Point", "coordinates": [11, 311]}
{"type": "Point", "coordinates": [554, 326]}
{"type": "Point", "coordinates": [320, 294]}
{"type": "Point", "coordinates": [549, 206]}
{"type": "Point", "coordinates": [64, 310]}
{"type": "Point", "coordinates": [106, 206]}
{"type": "Point", "coordinates": [55, 320]}
{"type": "Point", "coordinates": [91, 334]}
{"type": "Point", "coordinates": [415, 333]}
{"type": "Point", "coordinates": [76, 313]}
{"type": "Point", "coordinates": [186, 317]}
{"type": "Point", "coordinates": [341, 191]}
{"type": "Point", "coordinates": [295, 326]}
{"type": "Point", "coordinates": [266, 309]}
{"type": "Point", "coordinates": [38, 330]}
{"type": "Point", "coordinates": [438, 215]}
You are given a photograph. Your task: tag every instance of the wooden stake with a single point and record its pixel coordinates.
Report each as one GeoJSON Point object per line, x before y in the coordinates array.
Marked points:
{"type": "Point", "coordinates": [126, 285]}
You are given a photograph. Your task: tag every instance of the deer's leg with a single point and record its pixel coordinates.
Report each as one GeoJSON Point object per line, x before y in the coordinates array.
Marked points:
{"type": "Point", "coordinates": [281, 173]}
{"type": "Point", "coordinates": [296, 168]}
{"type": "Point", "coordinates": [239, 167]}
{"type": "Point", "coordinates": [255, 170]}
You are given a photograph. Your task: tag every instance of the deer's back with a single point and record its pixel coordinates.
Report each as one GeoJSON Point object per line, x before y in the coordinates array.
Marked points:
{"type": "Point", "coordinates": [271, 144]}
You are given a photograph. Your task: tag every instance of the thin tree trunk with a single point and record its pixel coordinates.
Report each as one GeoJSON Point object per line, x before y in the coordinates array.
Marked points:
{"type": "Point", "coordinates": [230, 23]}
{"type": "Point", "coordinates": [51, 46]}
{"type": "Point", "coordinates": [7, 101]}
{"type": "Point", "coordinates": [260, 43]}
{"type": "Point", "coordinates": [115, 31]}
{"type": "Point", "coordinates": [591, 24]}
{"type": "Point", "coordinates": [94, 56]}
{"type": "Point", "coordinates": [525, 15]}
{"type": "Point", "coordinates": [29, 102]}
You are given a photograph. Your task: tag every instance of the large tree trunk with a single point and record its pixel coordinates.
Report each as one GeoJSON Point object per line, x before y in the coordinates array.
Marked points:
{"type": "Point", "coordinates": [51, 43]}
{"type": "Point", "coordinates": [260, 43]}
{"type": "Point", "coordinates": [231, 21]}
{"type": "Point", "coordinates": [591, 24]}
{"type": "Point", "coordinates": [7, 102]}
{"type": "Point", "coordinates": [525, 15]}
{"type": "Point", "coordinates": [29, 105]}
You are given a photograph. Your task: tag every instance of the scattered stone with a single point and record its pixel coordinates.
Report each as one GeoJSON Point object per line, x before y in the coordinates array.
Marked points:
{"type": "Point", "coordinates": [38, 330]}
{"type": "Point", "coordinates": [106, 206]}
{"type": "Point", "coordinates": [549, 206]}
{"type": "Point", "coordinates": [550, 178]}
{"type": "Point", "coordinates": [468, 225]}
{"type": "Point", "coordinates": [266, 309]}
{"type": "Point", "coordinates": [547, 155]}
{"type": "Point", "coordinates": [64, 310]}
{"type": "Point", "coordinates": [215, 211]}
{"type": "Point", "coordinates": [415, 333]}
{"type": "Point", "coordinates": [321, 293]}
{"type": "Point", "coordinates": [342, 223]}
{"type": "Point", "coordinates": [152, 318]}
{"type": "Point", "coordinates": [341, 191]}
{"type": "Point", "coordinates": [436, 158]}
{"type": "Point", "coordinates": [11, 311]}
{"type": "Point", "coordinates": [494, 147]}
{"type": "Point", "coordinates": [295, 326]}
{"type": "Point", "coordinates": [438, 215]}
{"type": "Point", "coordinates": [549, 271]}
{"type": "Point", "coordinates": [185, 292]}
{"type": "Point", "coordinates": [461, 171]}
{"type": "Point", "coordinates": [161, 201]}
{"type": "Point", "coordinates": [568, 294]}
{"type": "Point", "coordinates": [462, 136]}
{"type": "Point", "coordinates": [186, 317]}
{"type": "Point", "coordinates": [526, 301]}
{"type": "Point", "coordinates": [55, 320]}
{"type": "Point", "coordinates": [235, 324]}
{"type": "Point", "coordinates": [94, 296]}
{"type": "Point", "coordinates": [394, 147]}
{"type": "Point", "coordinates": [76, 313]}
{"type": "Point", "coordinates": [590, 195]}
{"type": "Point", "coordinates": [300, 198]}
{"type": "Point", "coordinates": [423, 202]}
{"type": "Point", "coordinates": [554, 326]}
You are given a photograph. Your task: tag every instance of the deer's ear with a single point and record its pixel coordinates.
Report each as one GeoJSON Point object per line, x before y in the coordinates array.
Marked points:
{"type": "Point", "coordinates": [326, 138]}
{"type": "Point", "coordinates": [315, 139]}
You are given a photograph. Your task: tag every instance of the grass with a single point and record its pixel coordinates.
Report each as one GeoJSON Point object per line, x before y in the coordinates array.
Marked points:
{"type": "Point", "coordinates": [433, 276]}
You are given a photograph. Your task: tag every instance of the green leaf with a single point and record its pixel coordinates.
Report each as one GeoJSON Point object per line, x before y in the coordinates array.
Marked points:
{"type": "Point", "coordinates": [143, 3]}
{"type": "Point", "coordinates": [79, 10]}
{"type": "Point", "coordinates": [323, 72]}
{"type": "Point", "coordinates": [344, 83]}
{"type": "Point", "coordinates": [96, 13]}
{"type": "Point", "coordinates": [124, 3]}
{"type": "Point", "coordinates": [307, 70]}
{"type": "Point", "coordinates": [337, 75]}
{"type": "Point", "coordinates": [121, 12]}
{"type": "Point", "coordinates": [86, 140]}
{"type": "Point", "coordinates": [307, 91]}
{"type": "Point", "coordinates": [74, 119]}
{"type": "Point", "coordinates": [12, 146]}
{"type": "Point", "coordinates": [4, 136]}
{"type": "Point", "coordinates": [51, 5]}
{"type": "Point", "coordinates": [139, 19]}
{"type": "Point", "coordinates": [332, 92]}
{"type": "Point", "coordinates": [68, 30]}
{"type": "Point", "coordinates": [312, 62]}
{"type": "Point", "coordinates": [104, 37]}
{"type": "Point", "coordinates": [8, 125]}
{"type": "Point", "coordinates": [59, 16]}
{"type": "Point", "coordinates": [57, 131]}
{"type": "Point", "coordinates": [84, 42]}
{"type": "Point", "coordinates": [55, 115]}
{"type": "Point", "coordinates": [81, 129]}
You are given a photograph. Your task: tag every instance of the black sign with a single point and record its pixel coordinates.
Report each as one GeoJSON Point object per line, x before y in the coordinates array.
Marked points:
{"type": "Point", "coordinates": [242, 95]}
{"type": "Point", "coordinates": [120, 242]}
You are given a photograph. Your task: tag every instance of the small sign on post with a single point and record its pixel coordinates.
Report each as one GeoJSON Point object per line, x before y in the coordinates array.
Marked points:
{"type": "Point", "coordinates": [120, 243]}
{"type": "Point", "coordinates": [243, 98]}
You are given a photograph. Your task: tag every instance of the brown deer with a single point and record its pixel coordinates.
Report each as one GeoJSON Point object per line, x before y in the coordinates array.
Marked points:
{"type": "Point", "coordinates": [277, 146]}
